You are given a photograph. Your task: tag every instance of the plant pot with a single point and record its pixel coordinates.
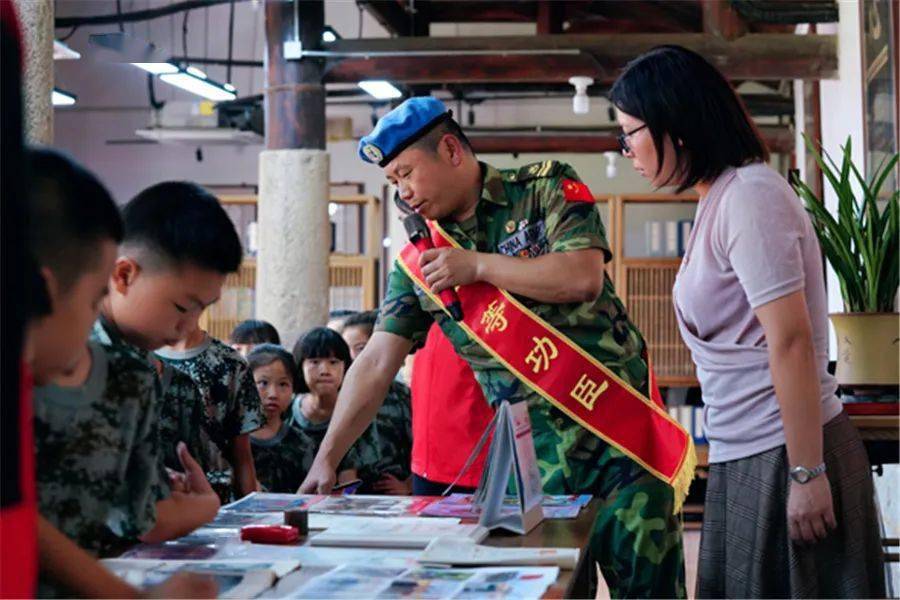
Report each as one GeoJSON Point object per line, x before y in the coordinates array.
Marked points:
{"type": "Point", "coordinates": [868, 351]}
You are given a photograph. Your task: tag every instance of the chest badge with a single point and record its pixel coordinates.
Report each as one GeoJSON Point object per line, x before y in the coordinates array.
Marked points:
{"type": "Point", "coordinates": [510, 226]}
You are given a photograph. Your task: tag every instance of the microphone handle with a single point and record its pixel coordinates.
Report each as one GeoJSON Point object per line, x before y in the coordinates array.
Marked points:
{"type": "Point", "coordinates": [447, 296]}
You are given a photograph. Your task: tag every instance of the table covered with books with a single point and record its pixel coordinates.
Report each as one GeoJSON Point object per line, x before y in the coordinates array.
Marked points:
{"type": "Point", "coordinates": [379, 547]}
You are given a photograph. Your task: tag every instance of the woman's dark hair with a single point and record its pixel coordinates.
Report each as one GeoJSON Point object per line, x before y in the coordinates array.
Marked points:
{"type": "Point", "coordinates": [253, 331]}
{"type": "Point", "coordinates": [677, 92]}
{"type": "Point", "coordinates": [320, 342]}
{"type": "Point", "coordinates": [265, 354]}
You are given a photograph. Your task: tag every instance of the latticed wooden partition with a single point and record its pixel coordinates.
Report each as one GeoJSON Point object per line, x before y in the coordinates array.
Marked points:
{"type": "Point", "coordinates": [648, 297]}
{"type": "Point", "coordinates": [353, 278]}
{"type": "Point", "coordinates": [645, 287]}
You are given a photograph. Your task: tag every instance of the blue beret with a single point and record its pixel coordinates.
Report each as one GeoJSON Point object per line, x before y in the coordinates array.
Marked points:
{"type": "Point", "coordinates": [401, 127]}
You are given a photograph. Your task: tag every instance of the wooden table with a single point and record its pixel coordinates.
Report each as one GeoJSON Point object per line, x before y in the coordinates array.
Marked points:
{"type": "Point", "coordinates": [561, 533]}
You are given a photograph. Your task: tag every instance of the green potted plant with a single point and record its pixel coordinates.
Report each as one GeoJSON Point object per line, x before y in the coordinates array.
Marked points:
{"type": "Point", "coordinates": [861, 244]}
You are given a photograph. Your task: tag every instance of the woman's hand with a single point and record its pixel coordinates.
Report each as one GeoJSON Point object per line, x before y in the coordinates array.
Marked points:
{"type": "Point", "coordinates": [810, 512]}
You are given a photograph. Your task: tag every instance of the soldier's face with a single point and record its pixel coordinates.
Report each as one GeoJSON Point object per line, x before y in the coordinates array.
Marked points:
{"type": "Point", "coordinates": [323, 376]}
{"type": "Point", "coordinates": [356, 338]}
{"type": "Point", "coordinates": [275, 387]}
{"type": "Point", "coordinates": [643, 154]}
{"type": "Point", "coordinates": [427, 181]}
{"type": "Point", "coordinates": [58, 340]}
{"type": "Point", "coordinates": [158, 307]}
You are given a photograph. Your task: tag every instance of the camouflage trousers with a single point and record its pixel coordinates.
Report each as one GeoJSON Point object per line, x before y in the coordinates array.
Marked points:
{"type": "Point", "coordinates": [636, 537]}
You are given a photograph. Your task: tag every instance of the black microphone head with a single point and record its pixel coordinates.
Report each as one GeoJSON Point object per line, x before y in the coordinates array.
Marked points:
{"type": "Point", "coordinates": [415, 226]}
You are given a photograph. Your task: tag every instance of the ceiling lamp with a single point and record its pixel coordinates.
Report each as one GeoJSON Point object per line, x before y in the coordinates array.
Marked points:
{"type": "Point", "coordinates": [581, 104]}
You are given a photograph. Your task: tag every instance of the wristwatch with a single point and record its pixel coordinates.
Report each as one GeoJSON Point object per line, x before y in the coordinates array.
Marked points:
{"type": "Point", "coordinates": [803, 475]}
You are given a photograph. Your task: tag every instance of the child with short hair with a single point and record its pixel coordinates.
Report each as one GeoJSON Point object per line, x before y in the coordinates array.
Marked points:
{"type": "Point", "coordinates": [322, 358]}
{"type": "Point", "coordinates": [248, 334]}
{"type": "Point", "coordinates": [178, 248]}
{"type": "Point", "coordinates": [232, 406]}
{"type": "Point", "coordinates": [385, 449]}
{"type": "Point", "coordinates": [278, 451]}
{"type": "Point", "coordinates": [98, 473]}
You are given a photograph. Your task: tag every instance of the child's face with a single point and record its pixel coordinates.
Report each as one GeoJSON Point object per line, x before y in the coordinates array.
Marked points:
{"type": "Point", "coordinates": [275, 388]}
{"type": "Point", "coordinates": [323, 376]}
{"type": "Point", "coordinates": [243, 349]}
{"type": "Point", "coordinates": [160, 307]}
{"type": "Point", "coordinates": [58, 340]}
{"type": "Point", "coordinates": [356, 338]}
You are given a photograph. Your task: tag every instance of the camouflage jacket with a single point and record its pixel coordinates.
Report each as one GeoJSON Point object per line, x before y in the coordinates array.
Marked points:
{"type": "Point", "coordinates": [386, 445]}
{"type": "Point", "coordinates": [529, 212]}
{"type": "Point", "coordinates": [229, 402]}
{"type": "Point", "coordinates": [281, 461]}
{"type": "Point", "coordinates": [98, 472]}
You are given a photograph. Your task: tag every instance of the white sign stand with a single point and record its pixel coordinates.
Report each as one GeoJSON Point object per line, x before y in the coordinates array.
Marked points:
{"type": "Point", "coordinates": [512, 452]}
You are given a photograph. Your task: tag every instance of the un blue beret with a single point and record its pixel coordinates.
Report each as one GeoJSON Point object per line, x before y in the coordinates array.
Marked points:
{"type": "Point", "coordinates": [401, 127]}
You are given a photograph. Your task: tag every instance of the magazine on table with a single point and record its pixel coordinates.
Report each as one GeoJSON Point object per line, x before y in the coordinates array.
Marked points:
{"type": "Point", "coordinates": [371, 506]}
{"type": "Point", "coordinates": [235, 579]}
{"type": "Point", "coordinates": [454, 551]}
{"type": "Point", "coordinates": [263, 502]}
{"type": "Point", "coordinates": [397, 532]}
{"type": "Point", "coordinates": [353, 581]}
{"type": "Point", "coordinates": [463, 506]}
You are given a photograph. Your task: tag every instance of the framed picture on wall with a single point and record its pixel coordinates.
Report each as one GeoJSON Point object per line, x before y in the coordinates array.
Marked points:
{"type": "Point", "coordinates": [879, 57]}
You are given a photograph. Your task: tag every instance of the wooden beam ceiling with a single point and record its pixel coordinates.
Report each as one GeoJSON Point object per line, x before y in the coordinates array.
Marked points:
{"type": "Point", "coordinates": [778, 139]}
{"type": "Point", "coordinates": [557, 57]}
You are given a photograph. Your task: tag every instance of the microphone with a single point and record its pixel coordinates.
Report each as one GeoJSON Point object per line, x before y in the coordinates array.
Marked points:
{"type": "Point", "coordinates": [420, 237]}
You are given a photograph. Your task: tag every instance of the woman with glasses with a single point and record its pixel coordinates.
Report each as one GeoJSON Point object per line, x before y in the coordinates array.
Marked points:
{"type": "Point", "coordinates": [790, 508]}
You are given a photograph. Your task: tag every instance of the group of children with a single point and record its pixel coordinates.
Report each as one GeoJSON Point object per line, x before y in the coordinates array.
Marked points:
{"type": "Point", "coordinates": [298, 393]}
{"type": "Point", "coordinates": [144, 424]}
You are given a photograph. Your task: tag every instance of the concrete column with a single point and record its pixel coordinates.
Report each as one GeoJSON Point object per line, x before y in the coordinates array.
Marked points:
{"type": "Point", "coordinates": [36, 23]}
{"type": "Point", "coordinates": [292, 287]}
{"type": "Point", "coordinates": [294, 235]}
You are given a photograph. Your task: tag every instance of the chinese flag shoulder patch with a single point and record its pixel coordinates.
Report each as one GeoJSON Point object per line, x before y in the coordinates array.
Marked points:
{"type": "Point", "coordinates": [575, 191]}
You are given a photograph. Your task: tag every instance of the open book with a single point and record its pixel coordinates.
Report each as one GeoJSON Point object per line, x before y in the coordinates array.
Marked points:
{"type": "Point", "coordinates": [235, 578]}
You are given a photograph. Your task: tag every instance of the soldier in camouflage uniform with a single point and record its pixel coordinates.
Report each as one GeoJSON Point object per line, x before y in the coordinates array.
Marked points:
{"type": "Point", "coordinates": [229, 408]}
{"type": "Point", "coordinates": [98, 472]}
{"type": "Point", "coordinates": [541, 218]}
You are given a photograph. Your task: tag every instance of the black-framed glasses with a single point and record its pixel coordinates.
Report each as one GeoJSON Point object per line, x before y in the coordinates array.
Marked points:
{"type": "Point", "coordinates": [623, 138]}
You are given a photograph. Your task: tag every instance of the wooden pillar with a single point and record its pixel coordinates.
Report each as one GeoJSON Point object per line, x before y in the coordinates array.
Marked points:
{"type": "Point", "coordinates": [295, 93]}
{"type": "Point", "coordinates": [292, 287]}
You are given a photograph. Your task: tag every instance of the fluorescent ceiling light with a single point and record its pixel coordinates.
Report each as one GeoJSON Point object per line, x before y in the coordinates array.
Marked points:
{"type": "Point", "coordinates": [201, 87]}
{"type": "Point", "coordinates": [382, 90]}
{"type": "Point", "coordinates": [62, 98]}
{"type": "Point", "coordinates": [196, 72]}
{"type": "Point", "coordinates": [157, 68]}
{"type": "Point", "coordinates": [62, 52]}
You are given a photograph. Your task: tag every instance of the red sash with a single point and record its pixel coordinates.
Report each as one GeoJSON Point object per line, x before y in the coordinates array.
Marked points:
{"type": "Point", "coordinates": [564, 374]}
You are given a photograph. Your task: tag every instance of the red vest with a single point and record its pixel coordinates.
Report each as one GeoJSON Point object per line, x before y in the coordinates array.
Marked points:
{"type": "Point", "coordinates": [449, 413]}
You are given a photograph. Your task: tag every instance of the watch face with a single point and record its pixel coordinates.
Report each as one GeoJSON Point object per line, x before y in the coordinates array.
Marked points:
{"type": "Point", "coordinates": [800, 475]}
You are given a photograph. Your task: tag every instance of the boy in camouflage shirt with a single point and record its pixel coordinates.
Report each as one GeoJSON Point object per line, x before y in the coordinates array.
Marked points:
{"type": "Point", "coordinates": [178, 247]}
{"type": "Point", "coordinates": [384, 452]}
{"type": "Point", "coordinates": [230, 407]}
{"type": "Point", "coordinates": [97, 471]}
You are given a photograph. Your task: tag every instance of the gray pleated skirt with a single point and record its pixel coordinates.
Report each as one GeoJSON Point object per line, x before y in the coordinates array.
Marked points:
{"type": "Point", "coordinates": [745, 550]}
